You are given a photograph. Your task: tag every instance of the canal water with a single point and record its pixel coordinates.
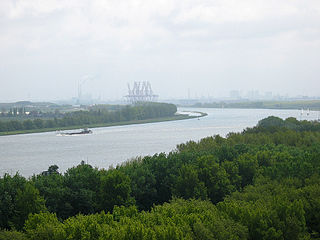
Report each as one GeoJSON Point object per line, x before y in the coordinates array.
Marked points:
{"type": "Point", "coordinates": [31, 154]}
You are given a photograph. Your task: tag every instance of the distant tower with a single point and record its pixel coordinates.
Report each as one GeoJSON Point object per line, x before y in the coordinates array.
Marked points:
{"type": "Point", "coordinates": [141, 92]}
{"type": "Point", "coordinates": [80, 83]}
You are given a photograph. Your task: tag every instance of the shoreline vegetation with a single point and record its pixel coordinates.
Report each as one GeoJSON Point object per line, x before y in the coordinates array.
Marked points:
{"type": "Point", "coordinates": [151, 120]}
{"type": "Point", "coordinates": [302, 104]}
{"type": "Point", "coordinates": [262, 183]}
{"type": "Point", "coordinates": [94, 117]}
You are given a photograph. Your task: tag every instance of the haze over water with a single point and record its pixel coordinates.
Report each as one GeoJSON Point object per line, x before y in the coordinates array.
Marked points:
{"type": "Point", "coordinates": [33, 153]}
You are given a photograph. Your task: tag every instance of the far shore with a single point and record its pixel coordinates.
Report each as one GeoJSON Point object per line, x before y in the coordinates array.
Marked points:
{"type": "Point", "coordinates": [180, 116]}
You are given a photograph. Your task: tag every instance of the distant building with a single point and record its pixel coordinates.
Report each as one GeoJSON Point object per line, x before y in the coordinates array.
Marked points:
{"type": "Point", "coordinates": [268, 95]}
{"type": "Point", "coordinates": [254, 94]}
{"type": "Point", "coordinates": [235, 94]}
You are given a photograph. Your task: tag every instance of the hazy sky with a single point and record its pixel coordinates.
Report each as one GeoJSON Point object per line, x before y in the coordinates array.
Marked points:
{"type": "Point", "coordinates": [209, 47]}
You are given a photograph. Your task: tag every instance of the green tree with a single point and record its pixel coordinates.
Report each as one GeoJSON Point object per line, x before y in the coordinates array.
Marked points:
{"type": "Point", "coordinates": [215, 178]}
{"type": "Point", "coordinates": [114, 190]}
{"type": "Point", "coordinates": [28, 124]}
{"type": "Point", "coordinates": [82, 184]}
{"type": "Point", "coordinates": [18, 198]}
{"type": "Point", "coordinates": [28, 200]}
{"type": "Point", "coordinates": [44, 226]}
{"type": "Point", "coordinates": [12, 235]}
{"type": "Point", "coordinates": [55, 193]}
{"type": "Point", "coordinates": [248, 166]}
{"type": "Point", "coordinates": [188, 184]}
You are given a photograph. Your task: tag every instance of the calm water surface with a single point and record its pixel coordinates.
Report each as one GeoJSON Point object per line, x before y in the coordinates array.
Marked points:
{"type": "Point", "coordinates": [34, 153]}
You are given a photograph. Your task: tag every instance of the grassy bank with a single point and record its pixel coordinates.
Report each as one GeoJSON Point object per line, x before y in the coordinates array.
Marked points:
{"type": "Point", "coordinates": [153, 120]}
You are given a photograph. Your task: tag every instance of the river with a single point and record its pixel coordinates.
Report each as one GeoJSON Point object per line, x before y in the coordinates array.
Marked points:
{"type": "Point", "coordinates": [31, 154]}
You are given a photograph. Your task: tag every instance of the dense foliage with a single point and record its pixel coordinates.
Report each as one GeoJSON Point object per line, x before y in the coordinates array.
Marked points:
{"type": "Point", "coordinates": [262, 183]}
{"type": "Point", "coordinates": [95, 115]}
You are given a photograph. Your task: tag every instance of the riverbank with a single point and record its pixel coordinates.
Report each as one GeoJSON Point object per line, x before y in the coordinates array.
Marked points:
{"type": "Point", "coordinates": [179, 116]}
{"type": "Point", "coordinates": [313, 105]}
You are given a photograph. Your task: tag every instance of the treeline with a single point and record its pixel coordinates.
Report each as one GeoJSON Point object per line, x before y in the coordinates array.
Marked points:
{"type": "Point", "coordinates": [22, 114]}
{"type": "Point", "coordinates": [310, 104]}
{"type": "Point", "coordinates": [262, 183]}
{"type": "Point", "coordinates": [28, 106]}
{"type": "Point", "coordinates": [25, 109]}
{"type": "Point", "coordinates": [274, 124]}
{"type": "Point", "coordinates": [93, 116]}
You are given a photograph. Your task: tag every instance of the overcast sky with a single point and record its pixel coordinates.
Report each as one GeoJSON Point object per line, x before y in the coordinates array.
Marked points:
{"type": "Point", "coordinates": [209, 47]}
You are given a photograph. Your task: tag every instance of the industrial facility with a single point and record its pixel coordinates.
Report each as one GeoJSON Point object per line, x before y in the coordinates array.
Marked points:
{"type": "Point", "coordinates": [141, 92]}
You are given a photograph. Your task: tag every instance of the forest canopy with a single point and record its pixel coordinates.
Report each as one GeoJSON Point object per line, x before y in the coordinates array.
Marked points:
{"type": "Point", "coordinates": [262, 183]}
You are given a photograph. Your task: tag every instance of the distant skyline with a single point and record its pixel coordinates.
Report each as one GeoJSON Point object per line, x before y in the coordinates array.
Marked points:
{"type": "Point", "coordinates": [208, 48]}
